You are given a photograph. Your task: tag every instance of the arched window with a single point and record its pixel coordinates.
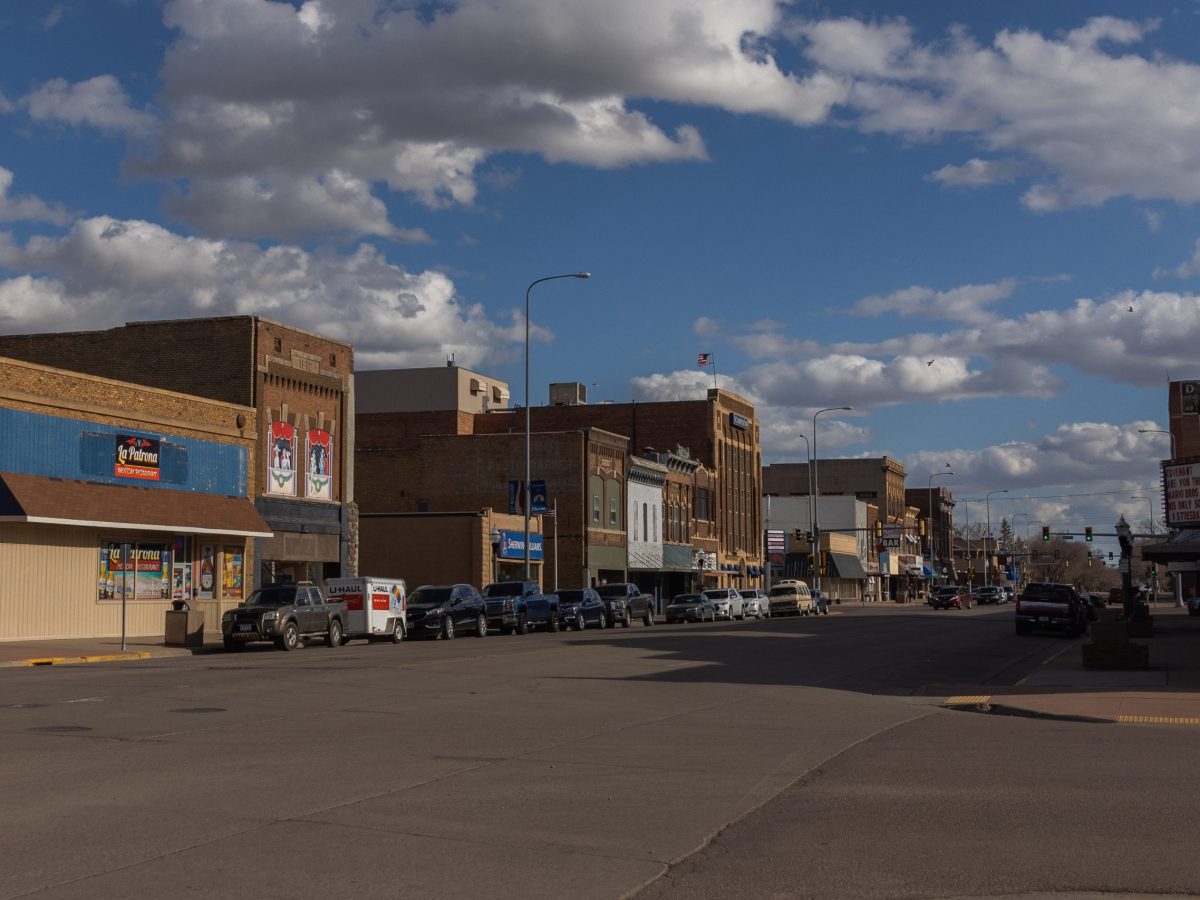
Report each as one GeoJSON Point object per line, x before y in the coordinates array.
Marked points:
{"type": "Point", "coordinates": [596, 484]}
{"type": "Point", "coordinates": [634, 518]}
{"type": "Point", "coordinates": [614, 504]}
{"type": "Point", "coordinates": [646, 520]}
{"type": "Point", "coordinates": [654, 524]}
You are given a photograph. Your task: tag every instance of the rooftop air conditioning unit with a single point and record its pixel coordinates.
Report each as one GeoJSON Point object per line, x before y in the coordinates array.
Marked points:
{"type": "Point", "coordinates": [568, 393]}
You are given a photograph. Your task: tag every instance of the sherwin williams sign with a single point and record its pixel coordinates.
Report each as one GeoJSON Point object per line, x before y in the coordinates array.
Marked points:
{"type": "Point", "coordinates": [512, 545]}
{"type": "Point", "coordinates": [136, 457]}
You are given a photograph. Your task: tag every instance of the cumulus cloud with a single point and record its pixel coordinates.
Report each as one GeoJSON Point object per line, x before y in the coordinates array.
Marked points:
{"type": "Point", "coordinates": [100, 102]}
{"type": "Point", "coordinates": [105, 270]}
{"type": "Point", "coordinates": [966, 303]}
{"type": "Point", "coordinates": [27, 208]}
{"type": "Point", "coordinates": [978, 173]}
{"type": "Point", "coordinates": [1186, 269]}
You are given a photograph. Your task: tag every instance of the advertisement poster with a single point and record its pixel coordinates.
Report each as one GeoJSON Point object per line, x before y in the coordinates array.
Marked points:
{"type": "Point", "coordinates": [145, 574]}
{"type": "Point", "coordinates": [136, 457]}
{"type": "Point", "coordinates": [181, 578]}
{"type": "Point", "coordinates": [231, 575]}
{"type": "Point", "coordinates": [320, 465]}
{"type": "Point", "coordinates": [281, 459]}
{"type": "Point", "coordinates": [208, 571]}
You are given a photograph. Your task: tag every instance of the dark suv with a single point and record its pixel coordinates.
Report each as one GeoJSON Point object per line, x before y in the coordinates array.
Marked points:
{"type": "Point", "coordinates": [1046, 604]}
{"type": "Point", "coordinates": [285, 614]}
{"type": "Point", "coordinates": [442, 610]}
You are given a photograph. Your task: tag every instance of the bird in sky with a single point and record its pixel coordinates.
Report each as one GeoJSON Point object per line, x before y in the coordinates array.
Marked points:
{"type": "Point", "coordinates": [1131, 309]}
{"type": "Point", "coordinates": [931, 362]}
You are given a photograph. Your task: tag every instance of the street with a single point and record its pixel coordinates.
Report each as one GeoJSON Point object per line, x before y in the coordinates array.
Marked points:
{"type": "Point", "coordinates": [798, 757]}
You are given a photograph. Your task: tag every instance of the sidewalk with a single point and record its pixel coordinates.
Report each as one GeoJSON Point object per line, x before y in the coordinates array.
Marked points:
{"type": "Point", "coordinates": [1168, 693]}
{"type": "Point", "coordinates": [91, 650]}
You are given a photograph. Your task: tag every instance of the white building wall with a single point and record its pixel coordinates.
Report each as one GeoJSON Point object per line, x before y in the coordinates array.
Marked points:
{"type": "Point", "coordinates": [644, 526]}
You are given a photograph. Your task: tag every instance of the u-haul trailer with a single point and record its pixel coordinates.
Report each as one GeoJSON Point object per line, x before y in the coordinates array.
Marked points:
{"type": "Point", "coordinates": [375, 607]}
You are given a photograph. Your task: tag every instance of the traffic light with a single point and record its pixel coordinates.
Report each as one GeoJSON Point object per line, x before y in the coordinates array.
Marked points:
{"type": "Point", "coordinates": [798, 534]}
{"type": "Point", "coordinates": [808, 537]}
{"type": "Point", "coordinates": [1045, 532]}
{"type": "Point", "coordinates": [1110, 554]}
{"type": "Point", "coordinates": [878, 526]}
{"type": "Point", "coordinates": [824, 561]}
{"type": "Point", "coordinates": [1087, 533]}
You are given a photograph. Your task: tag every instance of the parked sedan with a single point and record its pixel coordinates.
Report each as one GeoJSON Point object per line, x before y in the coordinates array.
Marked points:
{"type": "Point", "coordinates": [445, 609]}
{"type": "Point", "coordinates": [582, 608]}
{"type": "Point", "coordinates": [950, 596]}
{"type": "Point", "coordinates": [691, 608]}
{"type": "Point", "coordinates": [728, 603]}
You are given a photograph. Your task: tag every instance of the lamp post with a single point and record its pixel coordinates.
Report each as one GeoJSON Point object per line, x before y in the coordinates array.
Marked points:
{"type": "Point", "coordinates": [1014, 527]}
{"type": "Point", "coordinates": [1149, 505]}
{"type": "Point", "coordinates": [932, 521]}
{"type": "Point", "coordinates": [526, 491]}
{"type": "Point", "coordinates": [987, 559]}
{"type": "Point", "coordinates": [816, 490]}
{"type": "Point", "coordinates": [808, 459]}
{"type": "Point", "coordinates": [1160, 431]}
{"type": "Point", "coordinates": [1123, 537]}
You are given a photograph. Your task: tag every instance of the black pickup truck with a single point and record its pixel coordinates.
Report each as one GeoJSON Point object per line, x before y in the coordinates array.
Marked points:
{"type": "Point", "coordinates": [284, 614]}
{"type": "Point", "coordinates": [516, 606]}
{"type": "Point", "coordinates": [637, 604]}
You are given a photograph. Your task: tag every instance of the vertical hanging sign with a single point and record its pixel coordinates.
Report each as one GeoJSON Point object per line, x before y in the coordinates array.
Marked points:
{"type": "Point", "coordinates": [320, 465]}
{"type": "Point", "coordinates": [281, 459]}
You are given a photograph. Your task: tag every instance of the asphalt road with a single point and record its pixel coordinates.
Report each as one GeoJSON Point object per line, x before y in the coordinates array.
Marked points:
{"type": "Point", "coordinates": [782, 758]}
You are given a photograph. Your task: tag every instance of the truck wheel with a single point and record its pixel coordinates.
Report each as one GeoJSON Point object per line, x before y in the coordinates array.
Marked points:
{"type": "Point", "coordinates": [333, 637]}
{"type": "Point", "coordinates": [648, 619]}
{"type": "Point", "coordinates": [290, 639]}
{"type": "Point", "coordinates": [522, 623]}
{"type": "Point", "coordinates": [397, 631]}
{"type": "Point", "coordinates": [628, 620]}
{"type": "Point", "coordinates": [448, 628]}
{"type": "Point", "coordinates": [552, 622]}
{"type": "Point", "coordinates": [481, 626]}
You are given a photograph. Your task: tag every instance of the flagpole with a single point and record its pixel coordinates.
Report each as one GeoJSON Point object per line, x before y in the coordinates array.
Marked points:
{"type": "Point", "coordinates": [713, 357]}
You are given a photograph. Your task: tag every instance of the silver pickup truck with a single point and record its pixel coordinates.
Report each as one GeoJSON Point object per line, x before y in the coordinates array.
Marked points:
{"type": "Point", "coordinates": [1046, 604]}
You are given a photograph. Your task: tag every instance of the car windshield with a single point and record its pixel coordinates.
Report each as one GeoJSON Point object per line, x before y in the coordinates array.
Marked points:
{"type": "Point", "coordinates": [611, 590]}
{"type": "Point", "coordinates": [429, 595]}
{"type": "Point", "coordinates": [782, 591]}
{"type": "Point", "coordinates": [506, 589]}
{"type": "Point", "coordinates": [275, 595]}
{"type": "Point", "coordinates": [716, 595]}
{"type": "Point", "coordinates": [685, 599]}
{"type": "Point", "coordinates": [565, 597]}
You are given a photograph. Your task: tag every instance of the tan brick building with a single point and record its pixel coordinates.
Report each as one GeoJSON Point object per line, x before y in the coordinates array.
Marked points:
{"type": "Point", "coordinates": [111, 492]}
{"type": "Point", "coordinates": [299, 387]}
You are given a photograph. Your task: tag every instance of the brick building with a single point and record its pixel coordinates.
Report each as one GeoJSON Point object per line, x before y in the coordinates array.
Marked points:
{"type": "Point", "coordinates": [438, 476]}
{"type": "Point", "coordinates": [118, 495]}
{"type": "Point", "coordinates": [299, 388]}
{"type": "Point", "coordinates": [939, 524]}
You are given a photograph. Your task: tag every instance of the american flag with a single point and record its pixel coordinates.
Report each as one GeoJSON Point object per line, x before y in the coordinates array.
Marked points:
{"type": "Point", "coordinates": [703, 359]}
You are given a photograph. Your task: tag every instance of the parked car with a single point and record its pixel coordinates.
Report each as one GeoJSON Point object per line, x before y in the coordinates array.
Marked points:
{"type": "Point", "coordinates": [988, 593]}
{"type": "Point", "coordinates": [580, 608]}
{"type": "Point", "coordinates": [950, 596]}
{"type": "Point", "coordinates": [790, 598]}
{"type": "Point", "coordinates": [637, 605]}
{"type": "Point", "coordinates": [764, 602]}
{"type": "Point", "coordinates": [1193, 605]}
{"type": "Point", "coordinates": [443, 610]}
{"type": "Point", "coordinates": [751, 605]}
{"type": "Point", "coordinates": [691, 608]}
{"type": "Point", "coordinates": [1046, 604]}
{"type": "Point", "coordinates": [1095, 602]}
{"type": "Point", "coordinates": [820, 602]}
{"type": "Point", "coordinates": [516, 606]}
{"type": "Point", "coordinates": [728, 603]}
{"type": "Point", "coordinates": [285, 614]}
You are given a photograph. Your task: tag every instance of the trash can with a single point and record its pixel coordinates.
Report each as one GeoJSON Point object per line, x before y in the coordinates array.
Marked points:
{"type": "Point", "coordinates": [184, 627]}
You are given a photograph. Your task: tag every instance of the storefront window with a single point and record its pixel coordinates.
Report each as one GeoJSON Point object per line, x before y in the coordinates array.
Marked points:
{"type": "Point", "coordinates": [181, 569]}
{"type": "Point", "coordinates": [232, 573]}
{"type": "Point", "coordinates": [134, 571]}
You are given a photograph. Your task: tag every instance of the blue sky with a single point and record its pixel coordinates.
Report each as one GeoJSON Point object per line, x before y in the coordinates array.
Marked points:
{"type": "Point", "coordinates": [828, 196]}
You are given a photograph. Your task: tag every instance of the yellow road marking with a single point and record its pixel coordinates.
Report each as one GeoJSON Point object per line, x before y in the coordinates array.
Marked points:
{"type": "Point", "coordinates": [967, 700]}
{"type": "Point", "coordinates": [1159, 720]}
{"type": "Point", "coordinates": [73, 660]}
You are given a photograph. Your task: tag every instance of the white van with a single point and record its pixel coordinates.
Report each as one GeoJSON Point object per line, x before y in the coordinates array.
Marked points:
{"type": "Point", "coordinates": [790, 598]}
{"type": "Point", "coordinates": [375, 607]}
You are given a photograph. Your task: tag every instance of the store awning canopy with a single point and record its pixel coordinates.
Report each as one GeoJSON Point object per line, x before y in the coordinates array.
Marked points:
{"type": "Point", "coordinates": [847, 565]}
{"type": "Point", "coordinates": [39, 500]}
{"type": "Point", "coordinates": [1182, 546]}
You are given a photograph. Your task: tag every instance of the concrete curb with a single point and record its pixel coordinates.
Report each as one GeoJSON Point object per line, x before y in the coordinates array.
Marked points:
{"type": "Point", "coordinates": [75, 660]}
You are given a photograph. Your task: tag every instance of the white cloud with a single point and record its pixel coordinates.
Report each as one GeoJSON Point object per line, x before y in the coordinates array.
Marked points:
{"type": "Point", "coordinates": [53, 17]}
{"type": "Point", "coordinates": [105, 271]}
{"type": "Point", "coordinates": [706, 327]}
{"type": "Point", "coordinates": [1185, 269]}
{"type": "Point", "coordinates": [99, 102]}
{"type": "Point", "coordinates": [978, 173]}
{"type": "Point", "coordinates": [966, 303]}
{"type": "Point", "coordinates": [27, 208]}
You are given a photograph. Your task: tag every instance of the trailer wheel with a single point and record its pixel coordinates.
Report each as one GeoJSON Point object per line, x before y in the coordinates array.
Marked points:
{"type": "Point", "coordinates": [398, 631]}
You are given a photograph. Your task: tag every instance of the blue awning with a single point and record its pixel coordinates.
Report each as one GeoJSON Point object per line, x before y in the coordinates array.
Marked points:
{"type": "Point", "coordinates": [928, 572]}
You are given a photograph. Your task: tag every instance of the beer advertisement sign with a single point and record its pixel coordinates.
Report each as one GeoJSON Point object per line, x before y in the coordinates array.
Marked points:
{"type": "Point", "coordinates": [281, 459]}
{"type": "Point", "coordinates": [136, 457]}
{"type": "Point", "coordinates": [320, 465]}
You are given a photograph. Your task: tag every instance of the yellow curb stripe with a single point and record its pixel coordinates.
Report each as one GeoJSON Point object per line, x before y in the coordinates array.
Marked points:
{"type": "Point", "coordinates": [1159, 720]}
{"type": "Point", "coordinates": [967, 700]}
{"type": "Point", "coordinates": [73, 660]}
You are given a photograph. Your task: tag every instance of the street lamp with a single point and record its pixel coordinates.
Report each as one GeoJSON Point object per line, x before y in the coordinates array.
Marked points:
{"type": "Point", "coordinates": [1124, 538]}
{"type": "Point", "coordinates": [1160, 431]}
{"type": "Point", "coordinates": [816, 490]}
{"type": "Point", "coordinates": [987, 559]}
{"type": "Point", "coordinates": [1149, 505]}
{"type": "Point", "coordinates": [527, 475]}
{"type": "Point", "coordinates": [932, 523]}
{"type": "Point", "coordinates": [809, 460]}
